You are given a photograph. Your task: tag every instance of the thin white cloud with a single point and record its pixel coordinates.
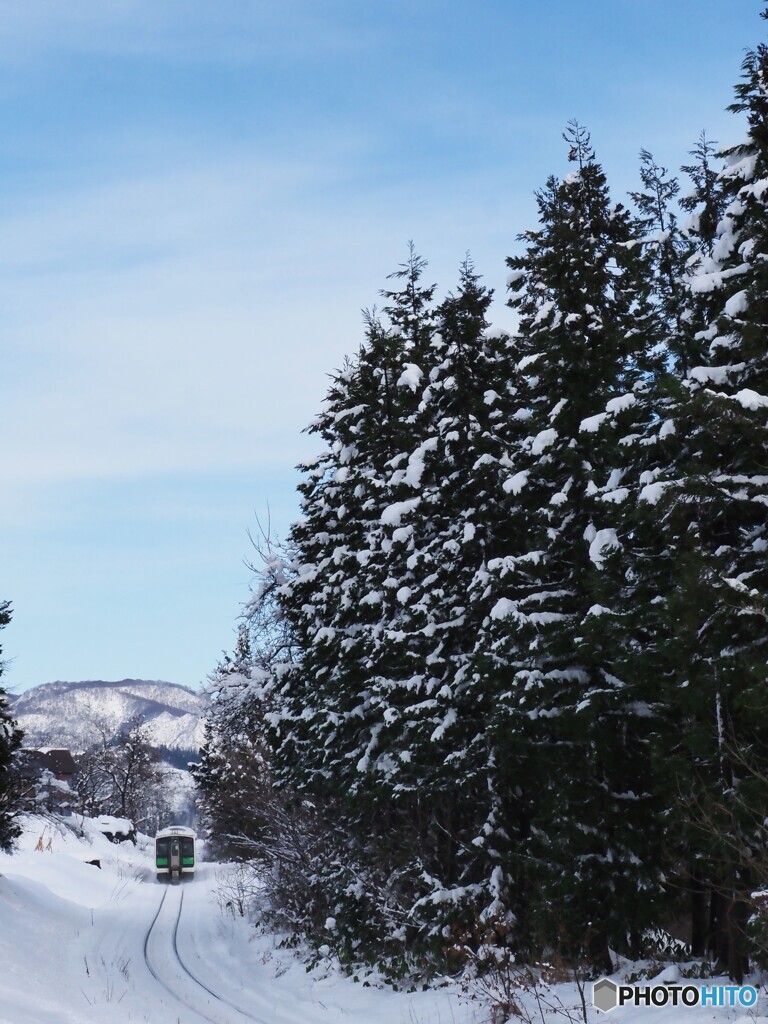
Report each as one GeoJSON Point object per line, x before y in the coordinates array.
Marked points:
{"type": "Point", "coordinates": [187, 321]}
{"type": "Point", "coordinates": [181, 30]}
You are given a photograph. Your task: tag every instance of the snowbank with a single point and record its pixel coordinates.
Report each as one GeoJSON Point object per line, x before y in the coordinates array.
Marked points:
{"type": "Point", "coordinates": [79, 943]}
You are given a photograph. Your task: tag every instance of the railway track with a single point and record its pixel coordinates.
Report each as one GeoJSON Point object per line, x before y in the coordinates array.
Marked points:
{"type": "Point", "coordinates": [167, 967]}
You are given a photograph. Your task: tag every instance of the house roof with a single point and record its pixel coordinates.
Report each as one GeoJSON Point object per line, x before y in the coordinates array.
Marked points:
{"type": "Point", "coordinates": [60, 762]}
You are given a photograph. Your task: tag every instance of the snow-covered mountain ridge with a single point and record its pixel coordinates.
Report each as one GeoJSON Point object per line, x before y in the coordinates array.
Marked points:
{"type": "Point", "coordinates": [76, 715]}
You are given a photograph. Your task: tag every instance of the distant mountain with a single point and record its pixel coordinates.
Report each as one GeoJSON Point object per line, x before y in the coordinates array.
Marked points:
{"type": "Point", "coordinates": [75, 715]}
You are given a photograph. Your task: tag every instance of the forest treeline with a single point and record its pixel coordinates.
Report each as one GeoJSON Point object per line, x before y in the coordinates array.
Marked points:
{"type": "Point", "coordinates": [505, 681]}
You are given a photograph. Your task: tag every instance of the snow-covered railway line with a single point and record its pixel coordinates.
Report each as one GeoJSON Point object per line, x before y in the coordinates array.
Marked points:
{"type": "Point", "coordinates": [164, 962]}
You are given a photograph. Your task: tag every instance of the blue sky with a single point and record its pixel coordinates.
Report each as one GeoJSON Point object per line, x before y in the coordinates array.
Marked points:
{"type": "Point", "coordinates": [197, 199]}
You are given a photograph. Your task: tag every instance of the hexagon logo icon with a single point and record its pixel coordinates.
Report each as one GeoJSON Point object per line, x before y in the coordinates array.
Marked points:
{"type": "Point", "coordinates": [605, 995]}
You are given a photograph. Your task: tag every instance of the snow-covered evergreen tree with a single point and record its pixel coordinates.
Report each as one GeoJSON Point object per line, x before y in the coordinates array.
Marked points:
{"type": "Point", "coordinates": [334, 602]}
{"type": "Point", "coordinates": [705, 202]}
{"type": "Point", "coordinates": [338, 703]}
{"type": "Point", "coordinates": [383, 706]}
{"type": "Point", "coordinates": [450, 517]}
{"type": "Point", "coordinates": [232, 762]}
{"type": "Point", "coordinates": [10, 741]}
{"type": "Point", "coordinates": [233, 775]}
{"type": "Point", "coordinates": [709, 506]}
{"type": "Point", "coordinates": [577, 730]}
{"type": "Point", "coordinates": [669, 250]}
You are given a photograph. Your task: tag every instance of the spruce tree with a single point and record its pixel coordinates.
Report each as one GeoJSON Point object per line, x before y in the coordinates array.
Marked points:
{"type": "Point", "coordinates": [669, 249]}
{"type": "Point", "coordinates": [340, 547]}
{"type": "Point", "coordinates": [648, 647]}
{"type": "Point", "coordinates": [679, 518]}
{"type": "Point", "coordinates": [10, 742]}
{"type": "Point", "coordinates": [234, 773]}
{"type": "Point", "coordinates": [577, 730]}
{"type": "Point", "coordinates": [330, 729]}
{"type": "Point", "coordinates": [436, 712]}
{"type": "Point", "coordinates": [710, 506]}
{"type": "Point", "coordinates": [401, 513]}
{"type": "Point", "coordinates": [705, 203]}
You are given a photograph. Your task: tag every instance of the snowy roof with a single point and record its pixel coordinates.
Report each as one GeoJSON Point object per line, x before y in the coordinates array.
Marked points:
{"type": "Point", "coordinates": [60, 762]}
{"type": "Point", "coordinates": [175, 830]}
{"type": "Point", "coordinates": [109, 823]}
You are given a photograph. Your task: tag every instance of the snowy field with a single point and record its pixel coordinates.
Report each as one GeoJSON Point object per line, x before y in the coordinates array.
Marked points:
{"type": "Point", "coordinates": [83, 944]}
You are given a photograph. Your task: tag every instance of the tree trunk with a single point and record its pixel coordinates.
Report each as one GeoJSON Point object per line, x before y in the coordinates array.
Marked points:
{"type": "Point", "coordinates": [729, 918]}
{"type": "Point", "coordinates": [699, 913]}
{"type": "Point", "coordinates": [737, 918]}
{"type": "Point", "coordinates": [717, 941]}
{"type": "Point", "coordinates": [598, 952]}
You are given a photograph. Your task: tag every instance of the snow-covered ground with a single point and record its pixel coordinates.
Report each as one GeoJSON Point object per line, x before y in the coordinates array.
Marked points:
{"type": "Point", "coordinates": [83, 944]}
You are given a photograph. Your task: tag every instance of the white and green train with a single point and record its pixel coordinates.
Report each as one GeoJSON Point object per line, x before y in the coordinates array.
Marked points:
{"type": "Point", "coordinates": [175, 853]}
